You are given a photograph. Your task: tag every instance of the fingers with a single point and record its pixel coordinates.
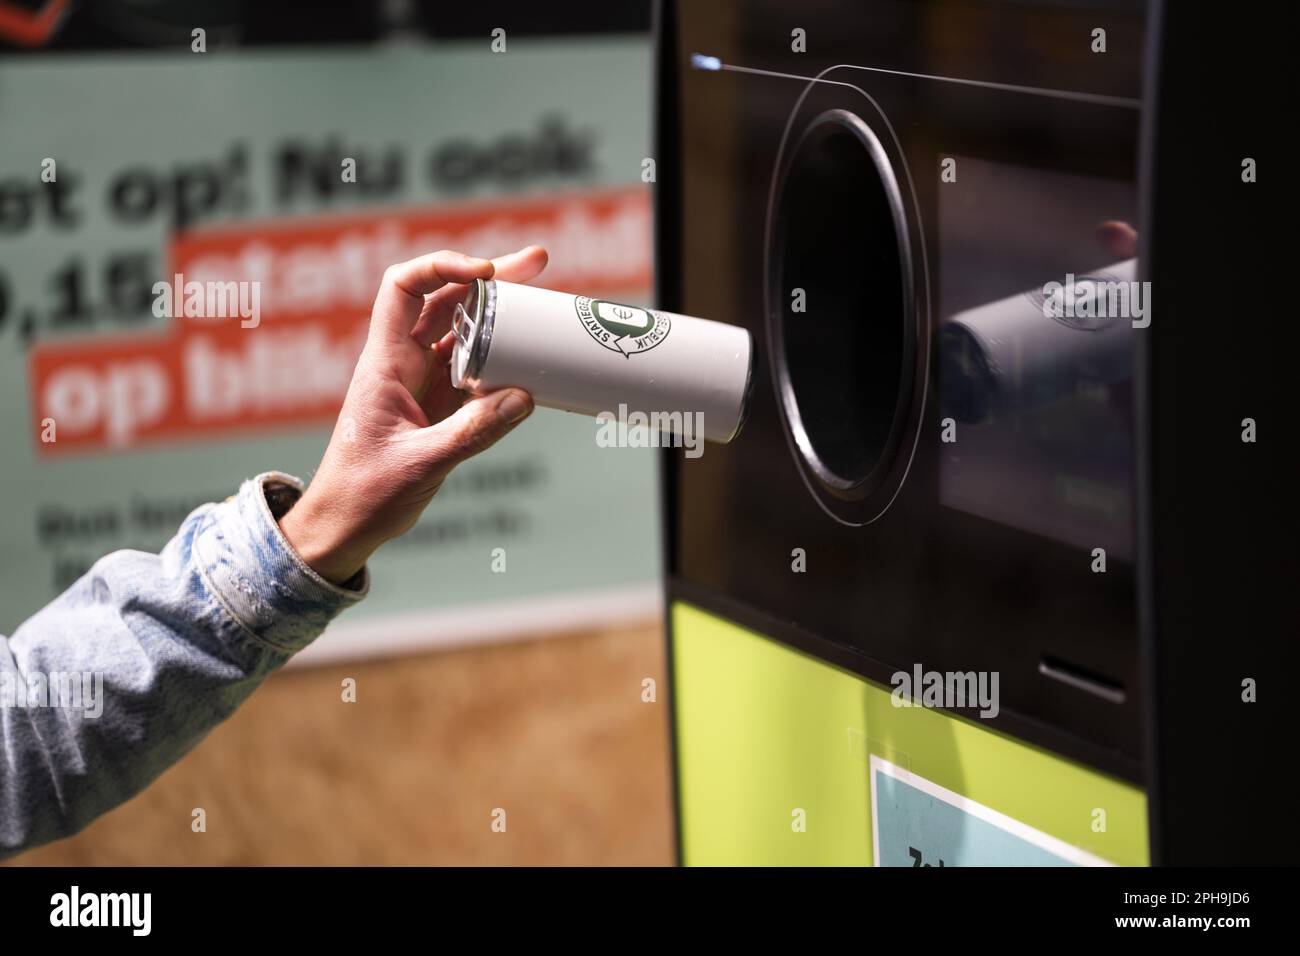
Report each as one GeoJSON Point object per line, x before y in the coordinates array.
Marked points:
{"type": "Point", "coordinates": [521, 266]}
{"type": "Point", "coordinates": [1119, 239]}
{"type": "Point", "coordinates": [435, 320]}
{"type": "Point", "coordinates": [442, 349]}
{"type": "Point", "coordinates": [441, 399]}
{"type": "Point", "coordinates": [402, 293]}
{"type": "Point", "coordinates": [474, 427]}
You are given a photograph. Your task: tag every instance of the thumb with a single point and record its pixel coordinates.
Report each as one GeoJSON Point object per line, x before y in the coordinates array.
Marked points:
{"type": "Point", "coordinates": [475, 427]}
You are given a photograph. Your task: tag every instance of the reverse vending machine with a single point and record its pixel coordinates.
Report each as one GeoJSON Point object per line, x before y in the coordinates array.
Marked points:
{"type": "Point", "coordinates": [938, 604]}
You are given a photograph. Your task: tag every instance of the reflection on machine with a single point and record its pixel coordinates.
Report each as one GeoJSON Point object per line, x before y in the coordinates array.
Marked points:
{"type": "Point", "coordinates": [1035, 346]}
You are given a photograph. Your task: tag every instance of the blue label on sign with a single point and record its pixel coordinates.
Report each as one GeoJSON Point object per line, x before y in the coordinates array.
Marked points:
{"type": "Point", "coordinates": [918, 823]}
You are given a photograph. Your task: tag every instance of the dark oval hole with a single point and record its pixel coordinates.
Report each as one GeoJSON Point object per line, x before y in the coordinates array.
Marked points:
{"type": "Point", "coordinates": [848, 357]}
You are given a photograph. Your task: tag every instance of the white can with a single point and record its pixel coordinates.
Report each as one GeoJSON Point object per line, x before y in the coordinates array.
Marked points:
{"type": "Point", "coordinates": [593, 356]}
{"type": "Point", "coordinates": [1037, 346]}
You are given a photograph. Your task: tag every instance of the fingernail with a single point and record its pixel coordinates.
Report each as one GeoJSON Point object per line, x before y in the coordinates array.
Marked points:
{"type": "Point", "coordinates": [513, 407]}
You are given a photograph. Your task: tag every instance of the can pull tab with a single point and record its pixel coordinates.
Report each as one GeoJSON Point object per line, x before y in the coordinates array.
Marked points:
{"type": "Point", "coordinates": [462, 326]}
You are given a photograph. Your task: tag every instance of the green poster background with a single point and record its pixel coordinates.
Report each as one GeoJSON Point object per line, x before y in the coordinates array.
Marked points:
{"type": "Point", "coordinates": [543, 493]}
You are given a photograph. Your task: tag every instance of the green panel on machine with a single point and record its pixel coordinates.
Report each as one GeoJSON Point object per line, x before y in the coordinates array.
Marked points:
{"type": "Point", "coordinates": [777, 752]}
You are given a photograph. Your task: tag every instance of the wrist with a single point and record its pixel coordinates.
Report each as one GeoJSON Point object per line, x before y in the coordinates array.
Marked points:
{"type": "Point", "coordinates": [322, 541]}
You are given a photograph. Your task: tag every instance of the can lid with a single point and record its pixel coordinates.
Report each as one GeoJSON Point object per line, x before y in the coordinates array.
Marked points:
{"type": "Point", "coordinates": [471, 323]}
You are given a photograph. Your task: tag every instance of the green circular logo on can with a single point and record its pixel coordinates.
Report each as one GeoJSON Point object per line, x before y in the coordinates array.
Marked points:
{"type": "Point", "coordinates": [620, 328]}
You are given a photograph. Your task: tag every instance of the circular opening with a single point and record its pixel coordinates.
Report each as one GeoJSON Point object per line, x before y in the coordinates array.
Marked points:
{"type": "Point", "coordinates": [846, 360]}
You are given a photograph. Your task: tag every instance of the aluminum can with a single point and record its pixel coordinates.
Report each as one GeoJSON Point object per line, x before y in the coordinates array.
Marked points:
{"type": "Point", "coordinates": [593, 356]}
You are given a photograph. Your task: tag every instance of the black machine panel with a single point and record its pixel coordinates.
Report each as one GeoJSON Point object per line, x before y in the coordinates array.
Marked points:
{"type": "Point", "coordinates": [954, 463]}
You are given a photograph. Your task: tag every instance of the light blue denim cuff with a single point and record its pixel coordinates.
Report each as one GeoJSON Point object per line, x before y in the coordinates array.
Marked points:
{"type": "Point", "coordinates": [268, 591]}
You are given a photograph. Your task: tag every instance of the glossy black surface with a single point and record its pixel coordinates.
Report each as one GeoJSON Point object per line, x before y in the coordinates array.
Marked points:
{"type": "Point", "coordinates": [978, 554]}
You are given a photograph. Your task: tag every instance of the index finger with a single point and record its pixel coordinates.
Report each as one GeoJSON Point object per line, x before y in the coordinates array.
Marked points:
{"type": "Point", "coordinates": [435, 320]}
{"type": "Point", "coordinates": [401, 294]}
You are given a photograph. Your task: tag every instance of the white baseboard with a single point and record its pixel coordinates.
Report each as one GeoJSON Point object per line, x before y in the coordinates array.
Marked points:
{"type": "Point", "coordinates": [501, 621]}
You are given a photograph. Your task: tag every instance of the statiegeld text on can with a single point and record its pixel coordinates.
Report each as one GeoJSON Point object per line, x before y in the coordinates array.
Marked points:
{"type": "Point", "coordinates": [595, 357]}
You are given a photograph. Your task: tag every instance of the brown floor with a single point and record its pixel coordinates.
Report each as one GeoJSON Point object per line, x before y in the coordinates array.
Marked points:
{"type": "Point", "coordinates": [553, 731]}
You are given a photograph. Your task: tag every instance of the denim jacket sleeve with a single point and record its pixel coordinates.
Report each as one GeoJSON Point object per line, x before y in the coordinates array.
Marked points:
{"type": "Point", "coordinates": [110, 684]}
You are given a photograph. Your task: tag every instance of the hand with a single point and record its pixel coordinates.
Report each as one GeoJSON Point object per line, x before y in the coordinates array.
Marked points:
{"type": "Point", "coordinates": [403, 427]}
